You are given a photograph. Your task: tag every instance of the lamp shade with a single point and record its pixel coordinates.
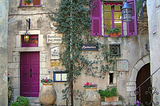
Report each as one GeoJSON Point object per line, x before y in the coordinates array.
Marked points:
{"type": "Point", "coordinates": [26, 38]}
{"type": "Point", "coordinates": [126, 12]}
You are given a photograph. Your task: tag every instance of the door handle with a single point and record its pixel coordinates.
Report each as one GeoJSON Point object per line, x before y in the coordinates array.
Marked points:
{"type": "Point", "coordinates": [30, 73]}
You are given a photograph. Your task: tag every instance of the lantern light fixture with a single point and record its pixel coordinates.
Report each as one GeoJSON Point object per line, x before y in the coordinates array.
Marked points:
{"type": "Point", "coordinates": [26, 35]}
{"type": "Point", "coordinates": [126, 12]}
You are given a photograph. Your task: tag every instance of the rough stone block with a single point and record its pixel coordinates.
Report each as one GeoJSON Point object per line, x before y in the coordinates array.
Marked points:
{"type": "Point", "coordinates": [16, 83]}
{"type": "Point", "coordinates": [133, 75]}
{"type": "Point", "coordinates": [13, 65]}
{"type": "Point", "coordinates": [146, 59]}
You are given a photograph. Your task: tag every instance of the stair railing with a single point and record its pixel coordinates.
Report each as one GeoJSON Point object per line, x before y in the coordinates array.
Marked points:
{"type": "Point", "coordinates": [150, 89]}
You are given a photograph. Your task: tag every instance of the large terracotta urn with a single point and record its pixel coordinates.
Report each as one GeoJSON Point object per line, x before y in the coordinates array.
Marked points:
{"type": "Point", "coordinates": [91, 97]}
{"type": "Point", "coordinates": [47, 94]}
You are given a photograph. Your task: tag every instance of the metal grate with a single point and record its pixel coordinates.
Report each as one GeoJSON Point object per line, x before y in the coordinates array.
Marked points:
{"type": "Point", "coordinates": [114, 49]}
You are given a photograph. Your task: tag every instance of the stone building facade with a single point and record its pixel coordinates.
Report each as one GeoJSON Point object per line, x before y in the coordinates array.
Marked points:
{"type": "Point", "coordinates": [4, 7]}
{"type": "Point", "coordinates": [133, 52]}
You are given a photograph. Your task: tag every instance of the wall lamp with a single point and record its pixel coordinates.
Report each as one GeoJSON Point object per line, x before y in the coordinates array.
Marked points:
{"type": "Point", "coordinates": [126, 12]}
{"type": "Point", "coordinates": [26, 35]}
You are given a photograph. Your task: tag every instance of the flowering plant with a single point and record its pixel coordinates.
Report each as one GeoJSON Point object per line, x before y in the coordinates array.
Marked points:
{"type": "Point", "coordinates": [46, 80]}
{"type": "Point", "coordinates": [89, 84]}
{"type": "Point", "coordinates": [138, 104]}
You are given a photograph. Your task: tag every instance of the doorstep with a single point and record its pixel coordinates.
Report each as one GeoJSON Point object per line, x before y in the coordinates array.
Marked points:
{"type": "Point", "coordinates": [119, 103]}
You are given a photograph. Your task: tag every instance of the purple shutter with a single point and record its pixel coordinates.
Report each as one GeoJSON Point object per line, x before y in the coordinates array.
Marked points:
{"type": "Point", "coordinates": [96, 24]}
{"type": "Point", "coordinates": [132, 26]}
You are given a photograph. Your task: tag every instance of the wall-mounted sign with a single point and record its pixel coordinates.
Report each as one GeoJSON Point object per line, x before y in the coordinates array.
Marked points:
{"type": "Point", "coordinates": [53, 64]}
{"type": "Point", "coordinates": [122, 65]}
{"type": "Point", "coordinates": [54, 38]}
{"type": "Point", "coordinates": [60, 76]}
{"type": "Point", "coordinates": [55, 53]}
{"type": "Point", "coordinates": [89, 47]}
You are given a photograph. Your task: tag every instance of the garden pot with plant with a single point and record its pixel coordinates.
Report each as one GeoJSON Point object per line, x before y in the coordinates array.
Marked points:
{"type": "Point", "coordinates": [114, 32]}
{"type": "Point", "coordinates": [90, 95]}
{"type": "Point", "coordinates": [47, 94]}
{"type": "Point", "coordinates": [109, 95]}
{"type": "Point", "coordinates": [28, 3]}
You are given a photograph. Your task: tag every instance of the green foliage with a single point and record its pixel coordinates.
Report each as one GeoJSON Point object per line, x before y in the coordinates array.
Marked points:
{"type": "Point", "coordinates": [21, 101]}
{"type": "Point", "coordinates": [73, 21]}
{"type": "Point", "coordinates": [114, 30]}
{"type": "Point", "coordinates": [28, 1]}
{"type": "Point", "coordinates": [109, 92]}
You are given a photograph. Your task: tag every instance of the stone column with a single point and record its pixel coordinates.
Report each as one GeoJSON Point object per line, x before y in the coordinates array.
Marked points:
{"type": "Point", "coordinates": [4, 4]}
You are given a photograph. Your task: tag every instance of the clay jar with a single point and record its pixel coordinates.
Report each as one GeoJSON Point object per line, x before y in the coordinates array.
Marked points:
{"type": "Point", "coordinates": [47, 94]}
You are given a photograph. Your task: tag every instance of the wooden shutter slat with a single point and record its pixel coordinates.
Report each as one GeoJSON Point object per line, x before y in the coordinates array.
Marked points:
{"type": "Point", "coordinates": [132, 26]}
{"type": "Point", "coordinates": [96, 27]}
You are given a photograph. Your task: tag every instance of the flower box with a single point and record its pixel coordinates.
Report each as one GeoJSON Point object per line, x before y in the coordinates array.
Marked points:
{"type": "Point", "coordinates": [112, 99]}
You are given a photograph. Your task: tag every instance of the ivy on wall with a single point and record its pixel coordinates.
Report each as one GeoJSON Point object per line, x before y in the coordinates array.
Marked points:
{"type": "Point", "coordinates": [73, 21]}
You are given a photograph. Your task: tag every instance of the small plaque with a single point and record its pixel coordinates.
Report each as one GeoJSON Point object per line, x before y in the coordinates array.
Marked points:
{"type": "Point", "coordinates": [122, 65]}
{"type": "Point", "coordinates": [89, 47]}
{"type": "Point", "coordinates": [53, 64]}
{"type": "Point", "coordinates": [55, 53]}
{"type": "Point", "coordinates": [54, 38]}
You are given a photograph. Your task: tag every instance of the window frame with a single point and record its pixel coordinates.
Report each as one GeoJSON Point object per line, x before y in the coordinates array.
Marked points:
{"type": "Point", "coordinates": [112, 13]}
{"type": "Point", "coordinates": [31, 2]}
{"type": "Point", "coordinates": [61, 79]}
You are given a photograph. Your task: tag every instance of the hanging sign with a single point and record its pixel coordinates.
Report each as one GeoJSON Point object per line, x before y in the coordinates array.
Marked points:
{"type": "Point", "coordinates": [55, 53]}
{"type": "Point", "coordinates": [54, 38]}
{"type": "Point", "coordinates": [89, 47]}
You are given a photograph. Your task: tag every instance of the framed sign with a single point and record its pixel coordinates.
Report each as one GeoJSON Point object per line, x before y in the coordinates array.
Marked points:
{"type": "Point", "coordinates": [55, 53]}
{"type": "Point", "coordinates": [60, 76]}
{"type": "Point", "coordinates": [54, 38]}
{"type": "Point", "coordinates": [122, 65]}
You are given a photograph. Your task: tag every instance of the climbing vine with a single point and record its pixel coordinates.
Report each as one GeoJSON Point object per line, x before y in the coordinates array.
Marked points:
{"type": "Point", "coordinates": [73, 21]}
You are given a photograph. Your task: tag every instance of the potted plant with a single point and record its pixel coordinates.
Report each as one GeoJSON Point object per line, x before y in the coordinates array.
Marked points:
{"type": "Point", "coordinates": [29, 3]}
{"type": "Point", "coordinates": [109, 94]}
{"type": "Point", "coordinates": [47, 94]}
{"type": "Point", "coordinates": [114, 32]}
{"type": "Point", "coordinates": [21, 101]}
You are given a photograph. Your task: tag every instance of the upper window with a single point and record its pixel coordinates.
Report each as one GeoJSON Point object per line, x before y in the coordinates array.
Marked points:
{"type": "Point", "coordinates": [111, 17]}
{"type": "Point", "coordinates": [33, 3]}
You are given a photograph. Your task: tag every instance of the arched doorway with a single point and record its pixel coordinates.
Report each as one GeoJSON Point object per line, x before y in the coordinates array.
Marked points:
{"type": "Point", "coordinates": [142, 75]}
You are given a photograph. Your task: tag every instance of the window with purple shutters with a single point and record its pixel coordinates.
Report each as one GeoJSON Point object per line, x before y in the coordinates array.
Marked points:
{"type": "Point", "coordinates": [112, 17]}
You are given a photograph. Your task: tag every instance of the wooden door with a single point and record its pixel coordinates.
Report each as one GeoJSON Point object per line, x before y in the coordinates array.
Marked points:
{"type": "Point", "coordinates": [29, 74]}
{"type": "Point", "coordinates": [143, 74]}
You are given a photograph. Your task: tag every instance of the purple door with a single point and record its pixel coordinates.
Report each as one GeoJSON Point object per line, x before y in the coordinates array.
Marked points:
{"type": "Point", "coordinates": [29, 74]}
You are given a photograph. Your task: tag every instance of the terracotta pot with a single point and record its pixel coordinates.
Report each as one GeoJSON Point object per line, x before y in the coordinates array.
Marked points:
{"type": "Point", "coordinates": [91, 97]}
{"type": "Point", "coordinates": [112, 99]}
{"type": "Point", "coordinates": [114, 34]}
{"type": "Point", "coordinates": [31, 4]}
{"type": "Point", "coordinates": [47, 95]}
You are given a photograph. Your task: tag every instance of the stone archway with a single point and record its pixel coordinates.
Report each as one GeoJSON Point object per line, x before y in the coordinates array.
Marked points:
{"type": "Point", "coordinates": [131, 83]}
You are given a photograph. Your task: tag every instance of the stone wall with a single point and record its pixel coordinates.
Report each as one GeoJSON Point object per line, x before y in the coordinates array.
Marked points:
{"type": "Point", "coordinates": [153, 8]}
{"type": "Point", "coordinates": [3, 52]}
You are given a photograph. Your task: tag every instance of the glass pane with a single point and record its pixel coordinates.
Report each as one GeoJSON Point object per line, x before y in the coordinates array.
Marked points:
{"type": "Point", "coordinates": [118, 23]}
{"type": "Point", "coordinates": [121, 31]}
{"type": "Point", "coordinates": [117, 15]}
{"type": "Point", "coordinates": [117, 8]}
{"type": "Point", "coordinates": [107, 26]}
{"type": "Point", "coordinates": [107, 7]}
{"type": "Point", "coordinates": [108, 23]}
{"type": "Point", "coordinates": [107, 15]}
